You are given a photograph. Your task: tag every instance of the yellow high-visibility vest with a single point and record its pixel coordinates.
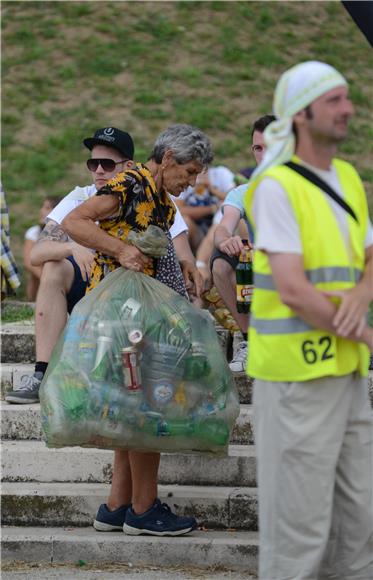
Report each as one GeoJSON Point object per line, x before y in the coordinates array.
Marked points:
{"type": "Point", "coordinates": [283, 347]}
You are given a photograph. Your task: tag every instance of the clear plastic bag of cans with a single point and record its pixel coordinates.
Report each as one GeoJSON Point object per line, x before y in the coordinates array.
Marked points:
{"type": "Point", "coordinates": [138, 367]}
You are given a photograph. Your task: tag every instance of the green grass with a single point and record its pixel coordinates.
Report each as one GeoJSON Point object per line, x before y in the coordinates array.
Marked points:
{"type": "Point", "coordinates": [71, 67]}
{"type": "Point", "coordinates": [15, 312]}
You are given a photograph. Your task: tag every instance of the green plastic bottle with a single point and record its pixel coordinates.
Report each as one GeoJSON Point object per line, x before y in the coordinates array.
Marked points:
{"type": "Point", "coordinates": [212, 430]}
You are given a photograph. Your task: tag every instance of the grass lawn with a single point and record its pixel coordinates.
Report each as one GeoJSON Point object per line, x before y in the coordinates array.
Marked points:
{"type": "Point", "coordinates": [71, 67]}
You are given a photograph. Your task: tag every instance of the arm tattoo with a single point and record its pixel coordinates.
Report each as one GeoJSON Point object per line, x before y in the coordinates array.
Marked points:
{"type": "Point", "coordinates": [52, 231]}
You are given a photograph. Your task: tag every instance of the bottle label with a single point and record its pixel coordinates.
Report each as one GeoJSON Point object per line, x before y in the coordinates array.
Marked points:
{"type": "Point", "coordinates": [244, 293]}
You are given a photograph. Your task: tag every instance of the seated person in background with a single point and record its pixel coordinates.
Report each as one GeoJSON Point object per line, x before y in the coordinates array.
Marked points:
{"type": "Point", "coordinates": [200, 203]}
{"type": "Point", "coordinates": [206, 248]}
{"type": "Point", "coordinates": [31, 237]}
{"type": "Point", "coordinates": [228, 246]}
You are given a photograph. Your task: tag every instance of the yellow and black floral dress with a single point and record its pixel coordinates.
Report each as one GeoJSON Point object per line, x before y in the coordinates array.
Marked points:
{"type": "Point", "coordinates": [140, 205]}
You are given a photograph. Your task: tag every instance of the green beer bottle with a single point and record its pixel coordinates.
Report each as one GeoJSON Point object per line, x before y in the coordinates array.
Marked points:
{"type": "Point", "coordinates": [244, 280]}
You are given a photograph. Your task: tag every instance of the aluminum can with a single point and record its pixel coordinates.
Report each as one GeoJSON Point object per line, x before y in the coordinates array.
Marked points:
{"type": "Point", "coordinates": [104, 359]}
{"type": "Point", "coordinates": [131, 370]}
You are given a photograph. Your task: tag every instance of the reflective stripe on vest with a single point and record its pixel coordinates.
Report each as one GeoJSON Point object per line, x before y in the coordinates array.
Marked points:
{"type": "Point", "coordinates": [291, 325]}
{"type": "Point", "coordinates": [315, 276]}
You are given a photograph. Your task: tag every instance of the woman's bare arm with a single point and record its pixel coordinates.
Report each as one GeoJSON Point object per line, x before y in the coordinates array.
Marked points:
{"type": "Point", "coordinates": [80, 226]}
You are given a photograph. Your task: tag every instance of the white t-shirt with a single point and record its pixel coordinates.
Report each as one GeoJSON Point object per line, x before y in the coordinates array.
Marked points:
{"type": "Point", "coordinates": [222, 178]}
{"type": "Point", "coordinates": [276, 227]}
{"type": "Point", "coordinates": [80, 194]}
{"type": "Point", "coordinates": [33, 233]}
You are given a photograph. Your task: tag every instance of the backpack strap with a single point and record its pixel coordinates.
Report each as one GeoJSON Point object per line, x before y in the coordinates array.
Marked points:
{"type": "Point", "coordinates": [320, 183]}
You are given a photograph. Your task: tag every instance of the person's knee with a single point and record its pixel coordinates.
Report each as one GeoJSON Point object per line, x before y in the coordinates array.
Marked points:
{"type": "Point", "coordinates": [221, 269]}
{"type": "Point", "coordinates": [57, 275]}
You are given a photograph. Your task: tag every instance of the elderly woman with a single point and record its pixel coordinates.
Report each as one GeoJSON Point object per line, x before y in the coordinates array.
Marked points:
{"type": "Point", "coordinates": [134, 200]}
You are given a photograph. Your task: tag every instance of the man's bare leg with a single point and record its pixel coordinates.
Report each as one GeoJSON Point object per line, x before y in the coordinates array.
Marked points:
{"type": "Point", "coordinates": [51, 306]}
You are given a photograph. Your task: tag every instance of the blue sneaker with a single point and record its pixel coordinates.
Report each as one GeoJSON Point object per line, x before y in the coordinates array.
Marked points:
{"type": "Point", "coordinates": [107, 521]}
{"type": "Point", "coordinates": [157, 521]}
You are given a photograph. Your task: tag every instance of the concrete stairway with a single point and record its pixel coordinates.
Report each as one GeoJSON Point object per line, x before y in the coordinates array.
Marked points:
{"type": "Point", "coordinates": [50, 496]}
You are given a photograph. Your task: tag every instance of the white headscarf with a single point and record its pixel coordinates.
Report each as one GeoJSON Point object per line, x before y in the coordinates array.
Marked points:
{"type": "Point", "coordinates": [297, 87]}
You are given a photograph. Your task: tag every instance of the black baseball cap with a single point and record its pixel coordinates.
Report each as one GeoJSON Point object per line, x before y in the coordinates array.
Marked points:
{"type": "Point", "coordinates": [112, 137]}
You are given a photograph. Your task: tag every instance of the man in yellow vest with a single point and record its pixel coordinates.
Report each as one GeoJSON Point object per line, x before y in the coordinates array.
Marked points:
{"type": "Point", "coordinates": [309, 338]}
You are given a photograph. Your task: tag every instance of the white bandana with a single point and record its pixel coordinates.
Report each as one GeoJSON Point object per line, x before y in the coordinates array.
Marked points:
{"type": "Point", "coordinates": [297, 88]}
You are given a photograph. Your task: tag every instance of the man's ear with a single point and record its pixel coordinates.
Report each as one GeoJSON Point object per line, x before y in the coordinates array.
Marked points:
{"type": "Point", "coordinates": [300, 117]}
{"type": "Point", "coordinates": [129, 164]}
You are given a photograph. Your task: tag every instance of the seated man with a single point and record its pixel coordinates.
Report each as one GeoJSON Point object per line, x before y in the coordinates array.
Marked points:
{"type": "Point", "coordinates": [228, 246]}
{"type": "Point", "coordinates": [67, 265]}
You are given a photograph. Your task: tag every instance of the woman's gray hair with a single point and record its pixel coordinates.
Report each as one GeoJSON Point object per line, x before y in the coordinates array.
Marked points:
{"type": "Point", "coordinates": [187, 144]}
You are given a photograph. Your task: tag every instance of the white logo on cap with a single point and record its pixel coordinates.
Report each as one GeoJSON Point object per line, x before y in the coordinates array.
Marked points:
{"type": "Point", "coordinates": [109, 131]}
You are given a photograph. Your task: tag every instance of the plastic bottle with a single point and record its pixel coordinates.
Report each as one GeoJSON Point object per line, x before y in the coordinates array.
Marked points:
{"type": "Point", "coordinates": [73, 392]}
{"type": "Point", "coordinates": [212, 430]}
{"type": "Point", "coordinates": [176, 428]}
{"type": "Point", "coordinates": [196, 362]}
{"type": "Point", "coordinates": [244, 280]}
{"type": "Point", "coordinates": [104, 358]}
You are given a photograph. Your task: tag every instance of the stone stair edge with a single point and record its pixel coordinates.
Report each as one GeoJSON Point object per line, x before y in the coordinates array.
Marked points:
{"type": "Point", "coordinates": [235, 450]}
{"type": "Point", "coordinates": [33, 461]}
{"type": "Point", "coordinates": [23, 422]}
{"type": "Point", "coordinates": [12, 372]}
{"type": "Point", "coordinates": [18, 342]}
{"type": "Point", "coordinates": [46, 488]}
{"type": "Point", "coordinates": [53, 504]}
{"type": "Point", "coordinates": [231, 550]}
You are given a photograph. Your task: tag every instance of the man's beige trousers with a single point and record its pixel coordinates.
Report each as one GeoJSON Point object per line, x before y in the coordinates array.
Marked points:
{"type": "Point", "coordinates": [315, 470]}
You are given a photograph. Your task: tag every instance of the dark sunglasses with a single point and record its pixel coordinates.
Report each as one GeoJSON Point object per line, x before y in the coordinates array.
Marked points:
{"type": "Point", "coordinates": [106, 164]}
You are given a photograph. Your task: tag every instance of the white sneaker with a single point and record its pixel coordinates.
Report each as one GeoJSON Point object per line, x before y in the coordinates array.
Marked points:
{"type": "Point", "coordinates": [28, 391]}
{"type": "Point", "coordinates": [238, 362]}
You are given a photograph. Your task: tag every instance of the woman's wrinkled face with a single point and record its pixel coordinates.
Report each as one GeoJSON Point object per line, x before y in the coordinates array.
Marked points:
{"type": "Point", "coordinates": [176, 177]}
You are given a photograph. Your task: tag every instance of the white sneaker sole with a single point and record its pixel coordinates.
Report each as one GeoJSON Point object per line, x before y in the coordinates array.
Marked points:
{"type": "Point", "coordinates": [20, 400]}
{"type": "Point", "coordinates": [102, 527]}
{"type": "Point", "coordinates": [137, 531]}
{"type": "Point", "coordinates": [236, 370]}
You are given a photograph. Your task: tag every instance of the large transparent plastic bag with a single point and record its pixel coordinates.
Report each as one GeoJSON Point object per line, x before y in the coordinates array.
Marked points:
{"type": "Point", "coordinates": [138, 367]}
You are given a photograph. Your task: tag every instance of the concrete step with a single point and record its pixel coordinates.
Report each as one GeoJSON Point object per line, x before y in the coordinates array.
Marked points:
{"type": "Point", "coordinates": [33, 461]}
{"type": "Point", "coordinates": [23, 422]}
{"type": "Point", "coordinates": [76, 504]}
{"type": "Point", "coordinates": [18, 343]}
{"type": "Point", "coordinates": [203, 549]}
{"type": "Point", "coordinates": [11, 374]}
{"type": "Point", "coordinates": [115, 571]}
